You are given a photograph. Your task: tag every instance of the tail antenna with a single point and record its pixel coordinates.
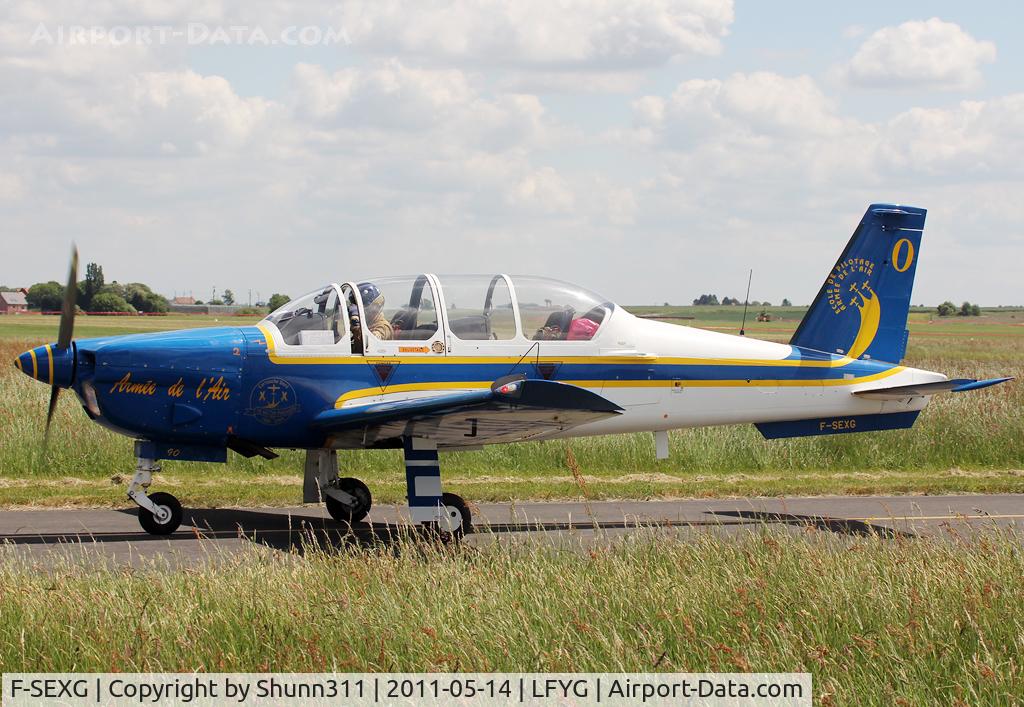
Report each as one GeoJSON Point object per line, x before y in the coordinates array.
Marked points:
{"type": "Point", "coordinates": [746, 301]}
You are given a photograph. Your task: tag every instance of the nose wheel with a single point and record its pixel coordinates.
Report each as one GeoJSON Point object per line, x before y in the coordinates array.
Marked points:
{"type": "Point", "coordinates": [166, 516]}
{"type": "Point", "coordinates": [159, 513]}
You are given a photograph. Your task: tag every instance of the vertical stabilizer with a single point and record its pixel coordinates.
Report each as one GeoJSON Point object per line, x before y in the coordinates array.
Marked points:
{"type": "Point", "coordinates": [861, 309]}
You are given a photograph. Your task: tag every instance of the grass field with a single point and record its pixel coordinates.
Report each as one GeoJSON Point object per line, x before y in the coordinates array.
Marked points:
{"type": "Point", "coordinates": [876, 622]}
{"type": "Point", "coordinates": [962, 443]}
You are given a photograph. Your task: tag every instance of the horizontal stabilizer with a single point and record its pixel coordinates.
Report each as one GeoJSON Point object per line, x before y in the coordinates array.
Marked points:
{"type": "Point", "coordinates": [957, 385]}
{"type": "Point", "coordinates": [837, 425]}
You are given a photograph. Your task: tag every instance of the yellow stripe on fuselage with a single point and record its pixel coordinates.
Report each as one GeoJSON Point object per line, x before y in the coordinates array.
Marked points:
{"type": "Point", "coordinates": [409, 388]}
{"type": "Point", "coordinates": [646, 359]}
{"type": "Point", "coordinates": [49, 357]}
{"type": "Point", "coordinates": [17, 363]}
{"type": "Point", "coordinates": [35, 364]}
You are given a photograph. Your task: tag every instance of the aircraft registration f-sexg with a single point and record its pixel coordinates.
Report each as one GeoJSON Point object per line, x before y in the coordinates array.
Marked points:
{"type": "Point", "coordinates": [431, 363]}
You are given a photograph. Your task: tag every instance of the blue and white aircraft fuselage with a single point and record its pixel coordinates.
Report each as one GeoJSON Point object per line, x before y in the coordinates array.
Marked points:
{"type": "Point", "coordinates": [429, 363]}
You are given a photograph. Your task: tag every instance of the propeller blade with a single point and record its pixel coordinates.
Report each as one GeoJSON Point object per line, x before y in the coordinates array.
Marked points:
{"type": "Point", "coordinates": [67, 314]}
{"type": "Point", "coordinates": [54, 393]}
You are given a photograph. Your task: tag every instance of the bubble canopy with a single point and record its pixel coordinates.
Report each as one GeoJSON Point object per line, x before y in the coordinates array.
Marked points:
{"type": "Point", "coordinates": [475, 308]}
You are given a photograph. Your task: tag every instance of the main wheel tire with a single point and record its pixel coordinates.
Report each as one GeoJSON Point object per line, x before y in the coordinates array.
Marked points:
{"type": "Point", "coordinates": [149, 521]}
{"type": "Point", "coordinates": [350, 514]}
{"type": "Point", "coordinates": [454, 503]}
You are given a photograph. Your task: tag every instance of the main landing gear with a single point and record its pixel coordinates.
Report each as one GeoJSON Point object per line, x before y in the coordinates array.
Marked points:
{"type": "Point", "coordinates": [349, 501]}
{"type": "Point", "coordinates": [159, 513]}
{"type": "Point", "coordinates": [444, 513]}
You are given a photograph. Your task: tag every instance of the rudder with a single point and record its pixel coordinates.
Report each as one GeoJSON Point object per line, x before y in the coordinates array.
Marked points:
{"type": "Point", "coordinates": [861, 309]}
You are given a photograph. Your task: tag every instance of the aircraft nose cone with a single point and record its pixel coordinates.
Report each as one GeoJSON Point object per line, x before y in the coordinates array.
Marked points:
{"type": "Point", "coordinates": [48, 364]}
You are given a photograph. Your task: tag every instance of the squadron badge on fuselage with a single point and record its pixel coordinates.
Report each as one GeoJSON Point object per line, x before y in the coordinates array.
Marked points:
{"type": "Point", "coordinates": [273, 401]}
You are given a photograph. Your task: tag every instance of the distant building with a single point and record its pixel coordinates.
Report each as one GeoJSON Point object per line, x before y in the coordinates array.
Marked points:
{"type": "Point", "coordinates": [183, 300]}
{"type": "Point", "coordinates": [13, 303]}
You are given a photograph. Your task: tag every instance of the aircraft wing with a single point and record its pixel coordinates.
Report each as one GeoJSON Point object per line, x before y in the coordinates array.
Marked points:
{"type": "Point", "coordinates": [957, 385]}
{"type": "Point", "coordinates": [511, 410]}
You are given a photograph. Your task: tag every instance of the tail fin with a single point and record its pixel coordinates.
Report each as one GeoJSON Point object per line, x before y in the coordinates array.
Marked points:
{"type": "Point", "coordinates": [861, 310]}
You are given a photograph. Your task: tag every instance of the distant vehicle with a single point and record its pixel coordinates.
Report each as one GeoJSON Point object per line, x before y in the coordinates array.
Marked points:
{"type": "Point", "coordinates": [430, 363]}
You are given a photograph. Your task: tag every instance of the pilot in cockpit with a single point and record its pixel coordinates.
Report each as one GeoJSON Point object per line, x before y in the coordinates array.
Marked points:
{"type": "Point", "coordinates": [373, 306]}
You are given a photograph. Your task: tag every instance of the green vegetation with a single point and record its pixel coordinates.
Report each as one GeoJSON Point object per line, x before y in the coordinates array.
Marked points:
{"type": "Point", "coordinates": [948, 309]}
{"type": "Point", "coordinates": [96, 295]}
{"type": "Point", "coordinates": [277, 300]}
{"type": "Point", "coordinates": [970, 310]}
{"type": "Point", "coordinates": [45, 296]}
{"type": "Point", "coordinates": [109, 302]}
{"type": "Point", "coordinates": [875, 621]}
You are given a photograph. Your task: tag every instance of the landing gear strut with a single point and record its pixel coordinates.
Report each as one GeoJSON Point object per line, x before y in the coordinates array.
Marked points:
{"type": "Point", "coordinates": [159, 513]}
{"type": "Point", "coordinates": [446, 513]}
{"type": "Point", "coordinates": [348, 500]}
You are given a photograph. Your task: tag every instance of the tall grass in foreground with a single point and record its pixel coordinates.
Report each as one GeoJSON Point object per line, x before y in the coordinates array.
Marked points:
{"type": "Point", "coordinates": [874, 621]}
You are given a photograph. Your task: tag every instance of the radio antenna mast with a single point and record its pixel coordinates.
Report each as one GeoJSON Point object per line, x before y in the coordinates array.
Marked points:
{"type": "Point", "coordinates": [746, 301]}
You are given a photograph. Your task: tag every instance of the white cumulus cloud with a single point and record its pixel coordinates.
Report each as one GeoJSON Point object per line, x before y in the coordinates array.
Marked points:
{"type": "Point", "coordinates": [927, 54]}
{"type": "Point", "coordinates": [745, 106]}
{"type": "Point", "coordinates": [570, 34]}
{"type": "Point", "coordinates": [391, 98]}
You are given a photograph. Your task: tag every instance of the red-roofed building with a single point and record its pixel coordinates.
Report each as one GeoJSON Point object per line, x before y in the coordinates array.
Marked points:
{"type": "Point", "coordinates": [13, 303]}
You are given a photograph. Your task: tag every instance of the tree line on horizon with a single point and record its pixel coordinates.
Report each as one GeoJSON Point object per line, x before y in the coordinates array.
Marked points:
{"type": "Point", "coordinates": [97, 295]}
{"type": "Point", "coordinates": [712, 300]}
{"type": "Point", "coordinates": [967, 309]}
{"type": "Point", "coordinates": [946, 309]}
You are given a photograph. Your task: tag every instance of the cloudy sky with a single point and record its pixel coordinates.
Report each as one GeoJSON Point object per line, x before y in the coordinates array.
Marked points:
{"type": "Point", "coordinates": [651, 150]}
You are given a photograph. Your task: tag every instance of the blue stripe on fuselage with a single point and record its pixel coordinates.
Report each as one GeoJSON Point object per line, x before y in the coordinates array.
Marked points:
{"type": "Point", "coordinates": [414, 370]}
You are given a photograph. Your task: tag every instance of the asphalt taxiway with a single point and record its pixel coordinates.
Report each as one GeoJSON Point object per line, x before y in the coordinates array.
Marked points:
{"type": "Point", "coordinates": [114, 535]}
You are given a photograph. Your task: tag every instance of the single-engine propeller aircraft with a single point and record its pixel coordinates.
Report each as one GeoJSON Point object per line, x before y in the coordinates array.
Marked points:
{"type": "Point", "coordinates": [431, 363]}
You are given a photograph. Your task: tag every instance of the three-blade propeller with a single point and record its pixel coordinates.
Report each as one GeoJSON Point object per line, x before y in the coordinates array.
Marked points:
{"type": "Point", "coordinates": [67, 328]}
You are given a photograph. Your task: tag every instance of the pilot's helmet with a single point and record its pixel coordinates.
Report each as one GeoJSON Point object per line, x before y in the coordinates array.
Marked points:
{"type": "Point", "coordinates": [372, 298]}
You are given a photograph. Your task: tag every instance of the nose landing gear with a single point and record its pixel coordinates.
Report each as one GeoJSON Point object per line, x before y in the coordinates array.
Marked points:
{"type": "Point", "coordinates": [159, 513]}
